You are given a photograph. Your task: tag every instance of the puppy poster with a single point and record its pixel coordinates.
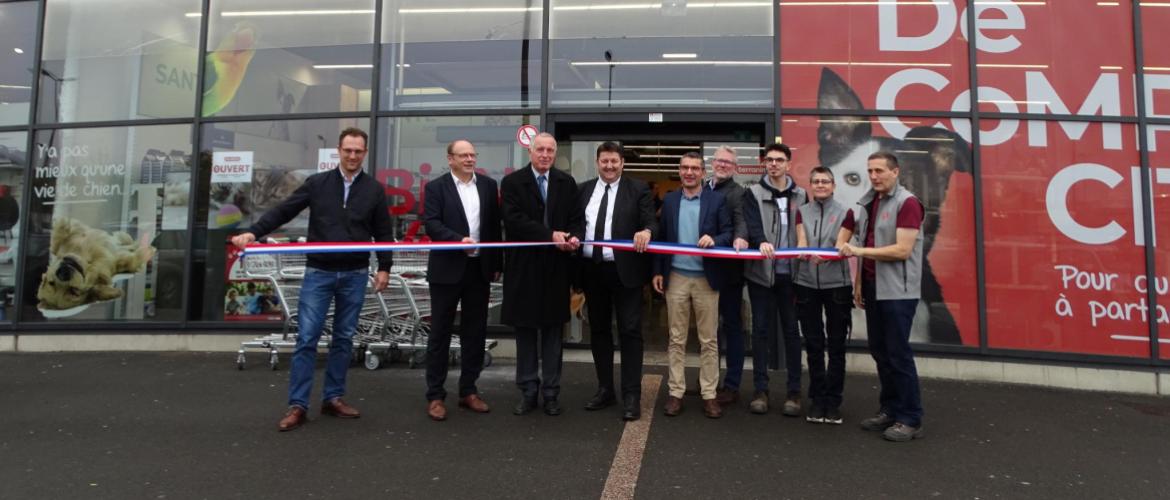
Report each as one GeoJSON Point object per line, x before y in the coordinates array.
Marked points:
{"type": "Point", "coordinates": [84, 266]}
{"type": "Point", "coordinates": [1062, 205]}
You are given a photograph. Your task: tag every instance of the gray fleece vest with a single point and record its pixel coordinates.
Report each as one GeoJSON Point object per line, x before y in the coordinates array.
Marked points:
{"type": "Point", "coordinates": [895, 280]}
{"type": "Point", "coordinates": [821, 221]}
{"type": "Point", "coordinates": [762, 272]}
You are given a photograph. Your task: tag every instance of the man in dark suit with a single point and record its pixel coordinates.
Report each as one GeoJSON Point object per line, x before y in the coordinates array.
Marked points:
{"type": "Point", "coordinates": [615, 208]}
{"type": "Point", "coordinates": [464, 207]}
{"type": "Point", "coordinates": [539, 204]}
{"type": "Point", "coordinates": [692, 216]}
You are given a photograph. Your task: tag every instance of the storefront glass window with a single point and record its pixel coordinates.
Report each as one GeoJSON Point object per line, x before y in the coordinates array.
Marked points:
{"type": "Point", "coordinates": [107, 227]}
{"type": "Point", "coordinates": [1160, 183]}
{"type": "Point", "coordinates": [288, 56]}
{"type": "Point", "coordinates": [118, 60]}
{"type": "Point", "coordinates": [1156, 44]}
{"type": "Point", "coordinates": [1056, 57]}
{"type": "Point", "coordinates": [935, 158]}
{"type": "Point", "coordinates": [18, 37]}
{"type": "Point", "coordinates": [13, 161]}
{"type": "Point", "coordinates": [268, 161]}
{"type": "Point", "coordinates": [451, 54]}
{"type": "Point", "coordinates": [660, 54]}
{"type": "Point", "coordinates": [885, 55]}
{"type": "Point", "coordinates": [1063, 238]}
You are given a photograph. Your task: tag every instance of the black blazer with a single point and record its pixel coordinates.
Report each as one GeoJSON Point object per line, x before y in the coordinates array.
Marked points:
{"type": "Point", "coordinates": [365, 217]}
{"type": "Point", "coordinates": [633, 211]}
{"type": "Point", "coordinates": [445, 221]}
{"type": "Point", "coordinates": [536, 280]}
{"type": "Point", "coordinates": [714, 221]}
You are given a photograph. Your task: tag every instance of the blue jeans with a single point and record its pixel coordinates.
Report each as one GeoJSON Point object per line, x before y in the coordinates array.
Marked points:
{"type": "Point", "coordinates": [887, 325]}
{"type": "Point", "coordinates": [347, 289]}
{"type": "Point", "coordinates": [731, 333]}
{"type": "Point", "coordinates": [767, 304]}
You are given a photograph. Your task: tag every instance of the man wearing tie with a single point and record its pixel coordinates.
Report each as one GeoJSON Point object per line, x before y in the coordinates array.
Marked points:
{"type": "Point", "coordinates": [462, 207]}
{"type": "Point", "coordinates": [615, 208]}
{"type": "Point", "coordinates": [539, 204]}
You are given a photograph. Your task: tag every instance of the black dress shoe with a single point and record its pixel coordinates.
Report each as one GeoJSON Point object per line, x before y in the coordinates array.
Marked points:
{"type": "Point", "coordinates": [551, 407]}
{"type": "Point", "coordinates": [633, 407]}
{"type": "Point", "coordinates": [525, 406]}
{"type": "Point", "coordinates": [603, 399]}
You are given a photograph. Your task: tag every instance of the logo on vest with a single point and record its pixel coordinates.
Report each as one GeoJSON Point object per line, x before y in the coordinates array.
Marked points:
{"type": "Point", "coordinates": [832, 220]}
{"type": "Point", "coordinates": [885, 216]}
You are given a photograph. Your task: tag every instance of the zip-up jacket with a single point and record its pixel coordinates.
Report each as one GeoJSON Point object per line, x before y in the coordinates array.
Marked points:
{"type": "Point", "coordinates": [763, 225]}
{"type": "Point", "coordinates": [821, 221]}
{"type": "Point", "coordinates": [895, 280]}
{"type": "Point", "coordinates": [363, 217]}
{"type": "Point", "coordinates": [734, 195]}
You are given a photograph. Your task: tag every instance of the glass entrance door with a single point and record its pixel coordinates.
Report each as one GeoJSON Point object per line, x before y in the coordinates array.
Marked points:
{"type": "Point", "coordinates": [652, 154]}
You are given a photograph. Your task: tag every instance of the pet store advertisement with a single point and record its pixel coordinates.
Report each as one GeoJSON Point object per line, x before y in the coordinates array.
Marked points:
{"type": "Point", "coordinates": [247, 298]}
{"type": "Point", "coordinates": [1062, 202]}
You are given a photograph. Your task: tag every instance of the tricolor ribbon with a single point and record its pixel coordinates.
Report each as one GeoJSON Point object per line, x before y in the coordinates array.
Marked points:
{"type": "Point", "coordinates": [654, 247]}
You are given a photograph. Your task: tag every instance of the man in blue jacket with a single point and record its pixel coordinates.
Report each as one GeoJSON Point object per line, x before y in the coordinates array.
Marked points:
{"type": "Point", "coordinates": [692, 216]}
{"type": "Point", "coordinates": [344, 205]}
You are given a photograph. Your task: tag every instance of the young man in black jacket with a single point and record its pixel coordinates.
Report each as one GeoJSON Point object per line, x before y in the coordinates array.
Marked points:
{"type": "Point", "coordinates": [344, 205]}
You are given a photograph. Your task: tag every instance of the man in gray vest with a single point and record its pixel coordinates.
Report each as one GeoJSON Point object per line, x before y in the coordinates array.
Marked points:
{"type": "Point", "coordinates": [824, 295]}
{"type": "Point", "coordinates": [888, 287]}
{"type": "Point", "coordinates": [770, 211]}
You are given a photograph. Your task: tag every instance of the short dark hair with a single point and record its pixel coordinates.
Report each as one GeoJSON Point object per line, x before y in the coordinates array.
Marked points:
{"type": "Point", "coordinates": [611, 147]}
{"type": "Point", "coordinates": [819, 169]}
{"type": "Point", "coordinates": [353, 132]}
{"type": "Point", "coordinates": [692, 155]}
{"type": "Point", "coordinates": [776, 146]}
{"type": "Point", "coordinates": [891, 160]}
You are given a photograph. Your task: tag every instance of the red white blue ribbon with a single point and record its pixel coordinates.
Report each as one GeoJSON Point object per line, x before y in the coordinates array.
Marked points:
{"type": "Point", "coordinates": [653, 247]}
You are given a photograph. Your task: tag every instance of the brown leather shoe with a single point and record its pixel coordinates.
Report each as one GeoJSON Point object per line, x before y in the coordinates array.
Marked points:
{"type": "Point", "coordinates": [437, 410]}
{"type": "Point", "coordinates": [673, 406]}
{"type": "Point", "coordinates": [712, 409]}
{"type": "Point", "coordinates": [474, 403]}
{"type": "Point", "coordinates": [293, 418]}
{"type": "Point", "coordinates": [338, 408]}
{"type": "Point", "coordinates": [726, 396]}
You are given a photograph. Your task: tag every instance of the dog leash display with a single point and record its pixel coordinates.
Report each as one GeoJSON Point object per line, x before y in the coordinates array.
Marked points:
{"type": "Point", "coordinates": [654, 247]}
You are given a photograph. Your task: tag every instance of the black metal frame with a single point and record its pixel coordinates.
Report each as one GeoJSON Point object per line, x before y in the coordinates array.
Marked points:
{"type": "Point", "coordinates": [771, 116]}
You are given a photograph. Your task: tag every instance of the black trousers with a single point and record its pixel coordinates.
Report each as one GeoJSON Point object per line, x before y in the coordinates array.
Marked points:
{"type": "Point", "coordinates": [605, 295]}
{"type": "Point", "coordinates": [472, 291]}
{"type": "Point", "coordinates": [538, 354]}
{"type": "Point", "coordinates": [835, 305]}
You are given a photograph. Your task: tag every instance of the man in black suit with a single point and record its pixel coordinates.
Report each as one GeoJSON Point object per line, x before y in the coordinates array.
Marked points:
{"type": "Point", "coordinates": [615, 208]}
{"type": "Point", "coordinates": [539, 203]}
{"type": "Point", "coordinates": [462, 207]}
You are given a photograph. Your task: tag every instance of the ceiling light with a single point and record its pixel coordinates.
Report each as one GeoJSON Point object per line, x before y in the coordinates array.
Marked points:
{"type": "Point", "coordinates": [679, 55]}
{"type": "Point", "coordinates": [268, 13]}
{"type": "Point", "coordinates": [343, 66]}
{"type": "Point", "coordinates": [422, 91]}
{"type": "Point", "coordinates": [16, 87]}
{"type": "Point", "coordinates": [18, 50]}
{"type": "Point", "coordinates": [671, 63]}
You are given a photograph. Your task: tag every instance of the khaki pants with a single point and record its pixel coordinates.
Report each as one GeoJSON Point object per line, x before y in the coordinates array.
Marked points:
{"type": "Point", "coordinates": [683, 294]}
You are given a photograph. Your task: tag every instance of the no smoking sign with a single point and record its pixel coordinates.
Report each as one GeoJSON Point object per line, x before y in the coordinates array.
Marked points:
{"type": "Point", "coordinates": [525, 134]}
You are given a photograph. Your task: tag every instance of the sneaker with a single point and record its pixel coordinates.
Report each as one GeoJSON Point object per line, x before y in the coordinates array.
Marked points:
{"type": "Point", "coordinates": [877, 423]}
{"type": "Point", "coordinates": [900, 432]}
{"type": "Point", "coordinates": [833, 416]}
{"type": "Point", "coordinates": [816, 414]}
{"type": "Point", "coordinates": [792, 405]}
{"type": "Point", "coordinates": [759, 404]}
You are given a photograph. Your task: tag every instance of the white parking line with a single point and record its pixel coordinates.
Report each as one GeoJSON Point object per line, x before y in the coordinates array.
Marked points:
{"type": "Point", "coordinates": [627, 461]}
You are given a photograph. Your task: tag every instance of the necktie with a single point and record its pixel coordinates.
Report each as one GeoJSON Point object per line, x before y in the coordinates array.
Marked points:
{"type": "Point", "coordinates": [540, 181]}
{"type": "Point", "coordinates": [599, 224]}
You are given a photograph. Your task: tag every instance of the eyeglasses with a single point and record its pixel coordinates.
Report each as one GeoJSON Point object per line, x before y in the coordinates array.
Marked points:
{"type": "Point", "coordinates": [721, 161]}
{"type": "Point", "coordinates": [825, 182]}
{"type": "Point", "coordinates": [471, 156]}
{"type": "Point", "coordinates": [769, 159]}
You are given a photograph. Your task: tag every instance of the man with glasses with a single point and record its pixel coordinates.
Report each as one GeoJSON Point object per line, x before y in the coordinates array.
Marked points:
{"type": "Point", "coordinates": [824, 289]}
{"type": "Point", "coordinates": [770, 211]}
{"type": "Point", "coordinates": [344, 205]}
{"type": "Point", "coordinates": [731, 335]}
{"type": "Point", "coordinates": [461, 207]}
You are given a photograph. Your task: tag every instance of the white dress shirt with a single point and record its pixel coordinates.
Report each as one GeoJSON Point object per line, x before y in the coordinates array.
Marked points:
{"type": "Point", "coordinates": [469, 197]}
{"type": "Point", "coordinates": [591, 211]}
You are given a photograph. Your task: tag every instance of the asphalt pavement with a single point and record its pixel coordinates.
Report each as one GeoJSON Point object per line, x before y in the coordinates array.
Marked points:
{"type": "Point", "coordinates": [189, 425]}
